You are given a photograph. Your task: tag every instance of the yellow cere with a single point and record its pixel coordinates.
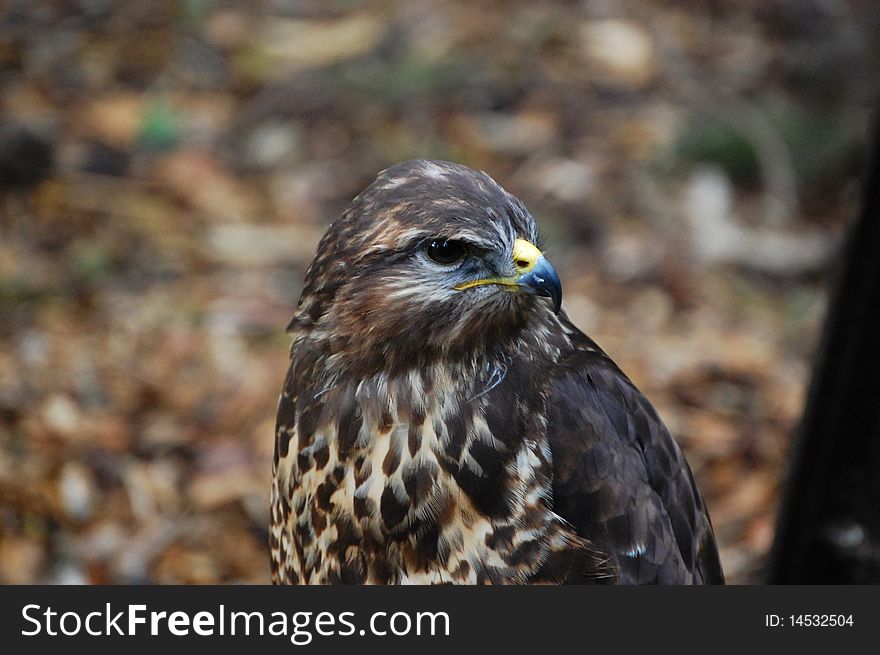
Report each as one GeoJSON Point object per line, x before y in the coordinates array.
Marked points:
{"type": "Point", "coordinates": [525, 256]}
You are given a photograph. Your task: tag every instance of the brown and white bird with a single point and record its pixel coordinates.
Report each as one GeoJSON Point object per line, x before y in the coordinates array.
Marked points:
{"type": "Point", "coordinates": [443, 421]}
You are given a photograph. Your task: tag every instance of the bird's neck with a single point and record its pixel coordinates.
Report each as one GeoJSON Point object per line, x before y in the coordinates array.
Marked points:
{"type": "Point", "coordinates": [476, 357]}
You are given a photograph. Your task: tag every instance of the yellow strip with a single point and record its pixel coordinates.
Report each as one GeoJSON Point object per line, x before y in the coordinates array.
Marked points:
{"type": "Point", "coordinates": [506, 281]}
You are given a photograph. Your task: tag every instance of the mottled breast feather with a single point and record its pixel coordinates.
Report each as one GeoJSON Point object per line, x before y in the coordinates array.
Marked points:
{"type": "Point", "coordinates": [434, 476]}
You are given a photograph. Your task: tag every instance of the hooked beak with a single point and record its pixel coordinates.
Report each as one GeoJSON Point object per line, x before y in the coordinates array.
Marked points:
{"type": "Point", "coordinates": [537, 276]}
{"type": "Point", "coordinates": [534, 275]}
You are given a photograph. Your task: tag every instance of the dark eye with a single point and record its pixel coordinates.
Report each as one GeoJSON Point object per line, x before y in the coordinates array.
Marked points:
{"type": "Point", "coordinates": [445, 252]}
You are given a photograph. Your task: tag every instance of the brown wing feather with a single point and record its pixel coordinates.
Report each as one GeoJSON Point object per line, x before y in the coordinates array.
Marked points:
{"type": "Point", "coordinates": [620, 478]}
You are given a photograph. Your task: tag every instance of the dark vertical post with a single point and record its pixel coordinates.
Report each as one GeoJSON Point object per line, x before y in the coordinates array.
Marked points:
{"type": "Point", "coordinates": [829, 523]}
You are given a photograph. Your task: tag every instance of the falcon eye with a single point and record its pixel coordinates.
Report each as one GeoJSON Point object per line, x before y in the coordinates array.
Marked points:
{"type": "Point", "coordinates": [445, 252]}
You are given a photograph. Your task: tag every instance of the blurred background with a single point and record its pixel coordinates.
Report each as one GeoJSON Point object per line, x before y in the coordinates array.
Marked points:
{"type": "Point", "coordinates": [167, 168]}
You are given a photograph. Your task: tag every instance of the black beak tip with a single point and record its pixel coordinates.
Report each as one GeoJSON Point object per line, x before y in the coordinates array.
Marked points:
{"type": "Point", "coordinates": [554, 293]}
{"type": "Point", "coordinates": [557, 300]}
{"type": "Point", "coordinates": [543, 280]}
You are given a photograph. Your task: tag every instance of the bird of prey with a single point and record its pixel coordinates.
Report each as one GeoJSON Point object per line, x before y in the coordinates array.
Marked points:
{"type": "Point", "coordinates": [442, 420]}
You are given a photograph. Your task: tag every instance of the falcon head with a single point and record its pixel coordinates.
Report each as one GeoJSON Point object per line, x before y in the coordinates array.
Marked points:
{"type": "Point", "coordinates": [432, 259]}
